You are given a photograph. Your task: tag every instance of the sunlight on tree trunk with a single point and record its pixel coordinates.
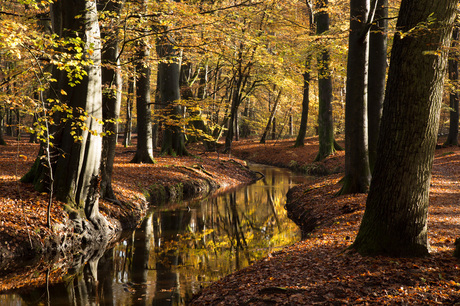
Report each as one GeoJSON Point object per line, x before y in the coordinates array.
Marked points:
{"type": "Point", "coordinates": [395, 220]}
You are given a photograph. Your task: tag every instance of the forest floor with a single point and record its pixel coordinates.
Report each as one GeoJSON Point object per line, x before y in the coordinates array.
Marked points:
{"type": "Point", "coordinates": [320, 271]}
{"type": "Point", "coordinates": [23, 230]}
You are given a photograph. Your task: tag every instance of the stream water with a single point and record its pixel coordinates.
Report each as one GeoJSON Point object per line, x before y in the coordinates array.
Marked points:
{"type": "Point", "coordinates": [180, 248]}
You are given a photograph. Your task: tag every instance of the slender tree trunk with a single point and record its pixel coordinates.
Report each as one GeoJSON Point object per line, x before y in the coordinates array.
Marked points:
{"type": "Point", "coordinates": [2, 126]}
{"type": "Point", "coordinates": [144, 151]}
{"type": "Point", "coordinates": [305, 104]}
{"type": "Point", "coordinates": [452, 137]}
{"type": "Point", "coordinates": [377, 75]}
{"type": "Point", "coordinates": [325, 121]}
{"type": "Point", "coordinates": [395, 220]}
{"type": "Point", "coordinates": [357, 171]}
{"type": "Point", "coordinates": [272, 116]}
{"type": "Point", "coordinates": [129, 108]}
{"type": "Point", "coordinates": [111, 97]}
{"type": "Point", "coordinates": [306, 86]}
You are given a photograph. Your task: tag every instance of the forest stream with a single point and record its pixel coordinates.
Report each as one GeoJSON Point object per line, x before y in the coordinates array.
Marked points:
{"type": "Point", "coordinates": [180, 248]}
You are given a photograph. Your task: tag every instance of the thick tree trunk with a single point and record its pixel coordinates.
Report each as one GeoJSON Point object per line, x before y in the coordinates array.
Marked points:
{"type": "Point", "coordinates": [325, 121]}
{"type": "Point", "coordinates": [169, 74]}
{"type": "Point", "coordinates": [144, 151]}
{"type": "Point", "coordinates": [357, 172]}
{"type": "Point", "coordinates": [395, 220]}
{"type": "Point", "coordinates": [377, 75]}
{"type": "Point", "coordinates": [111, 98]}
{"type": "Point", "coordinates": [452, 137]}
{"type": "Point", "coordinates": [77, 151]}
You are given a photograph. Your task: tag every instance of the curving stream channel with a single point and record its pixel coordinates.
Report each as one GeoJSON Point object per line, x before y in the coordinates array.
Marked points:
{"type": "Point", "coordinates": [180, 248]}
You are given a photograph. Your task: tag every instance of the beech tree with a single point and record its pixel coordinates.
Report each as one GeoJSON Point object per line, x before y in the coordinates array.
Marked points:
{"type": "Point", "coordinates": [77, 141]}
{"type": "Point", "coordinates": [111, 95]}
{"type": "Point", "coordinates": [325, 120]}
{"type": "Point", "coordinates": [357, 171]}
{"type": "Point", "coordinates": [144, 148]}
{"type": "Point", "coordinates": [454, 97]}
{"type": "Point", "coordinates": [377, 75]}
{"type": "Point", "coordinates": [395, 219]}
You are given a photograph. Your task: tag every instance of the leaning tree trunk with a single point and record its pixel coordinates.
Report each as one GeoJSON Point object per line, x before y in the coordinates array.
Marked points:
{"type": "Point", "coordinates": [357, 172]}
{"type": "Point", "coordinates": [377, 75]}
{"type": "Point", "coordinates": [111, 98]}
{"type": "Point", "coordinates": [395, 220]}
{"type": "Point", "coordinates": [325, 121]}
{"type": "Point", "coordinates": [452, 137]}
{"type": "Point", "coordinates": [77, 151]}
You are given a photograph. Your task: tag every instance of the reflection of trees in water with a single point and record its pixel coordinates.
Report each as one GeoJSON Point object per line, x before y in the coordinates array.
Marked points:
{"type": "Point", "coordinates": [173, 253]}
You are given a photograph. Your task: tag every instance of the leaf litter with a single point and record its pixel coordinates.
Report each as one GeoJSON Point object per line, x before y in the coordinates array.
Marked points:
{"type": "Point", "coordinates": [320, 270]}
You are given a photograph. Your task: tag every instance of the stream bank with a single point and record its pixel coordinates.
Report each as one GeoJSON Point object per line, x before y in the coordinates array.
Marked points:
{"type": "Point", "coordinates": [29, 248]}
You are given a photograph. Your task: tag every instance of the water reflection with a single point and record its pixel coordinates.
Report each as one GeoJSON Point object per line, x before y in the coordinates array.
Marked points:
{"type": "Point", "coordinates": [177, 251]}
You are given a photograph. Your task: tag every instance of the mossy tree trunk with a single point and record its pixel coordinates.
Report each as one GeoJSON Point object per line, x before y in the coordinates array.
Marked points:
{"type": "Point", "coordinates": [395, 220]}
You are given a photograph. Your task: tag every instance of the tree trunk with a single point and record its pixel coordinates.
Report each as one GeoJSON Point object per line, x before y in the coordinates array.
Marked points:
{"type": "Point", "coordinates": [452, 137]}
{"type": "Point", "coordinates": [77, 151]}
{"type": "Point", "coordinates": [129, 108]}
{"type": "Point", "coordinates": [2, 125]}
{"type": "Point", "coordinates": [377, 75]}
{"type": "Point", "coordinates": [357, 172]}
{"type": "Point", "coordinates": [325, 121]}
{"type": "Point", "coordinates": [306, 88]}
{"type": "Point", "coordinates": [270, 119]}
{"type": "Point", "coordinates": [111, 98]}
{"type": "Point", "coordinates": [144, 151]}
{"type": "Point", "coordinates": [169, 74]}
{"type": "Point", "coordinates": [305, 104]}
{"type": "Point", "coordinates": [395, 220]}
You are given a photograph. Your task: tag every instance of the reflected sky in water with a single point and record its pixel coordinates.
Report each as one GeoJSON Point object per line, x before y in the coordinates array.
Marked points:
{"type": "Point", "coordinates": [177, 251]}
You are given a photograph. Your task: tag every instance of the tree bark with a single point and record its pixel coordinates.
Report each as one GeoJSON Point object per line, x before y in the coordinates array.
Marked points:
{"type": "Point", "coordinates": [452, 137]}
{"type": "Point", "coordinates": [395, 220]}
{"type": "Point", "coordinates": [111, 97]}
{"type": "Point", "coordinates": [305, 104]}
{"type": "Point", "coordinates": [325, 121]}
{"type": "Point", "coordinates": [129, 108]}
{"type": "Point", "coordinates": [77, 151]}
{"type": "Point", "coordinates": [169, 75]}
{"type": "Point", "coordinates": [357, 172]}
{"type": "Point", "coordinates": [377, 75]}
{"type": "Point", "coordinates": [144, 149]}
{"type": "Point", "coordinates": [270, 119]}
